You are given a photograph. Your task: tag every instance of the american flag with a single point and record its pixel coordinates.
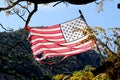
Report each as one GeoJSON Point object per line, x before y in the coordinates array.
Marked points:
{"type": "Point", "coordinates": [63, 39]}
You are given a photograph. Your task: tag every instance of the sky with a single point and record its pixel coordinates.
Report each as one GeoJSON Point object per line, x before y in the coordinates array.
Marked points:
{"type": "Point", "coordinates": [47, 15]}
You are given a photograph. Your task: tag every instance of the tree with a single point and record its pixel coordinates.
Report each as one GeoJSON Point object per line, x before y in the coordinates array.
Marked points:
{"type": "Point", "coordinates": [12, 3]}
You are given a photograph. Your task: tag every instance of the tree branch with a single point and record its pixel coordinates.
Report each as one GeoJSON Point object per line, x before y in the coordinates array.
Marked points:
{"type": "Point", "coordinates": [19, 16]}
{"type": "Point", "coordinates": [108, 49]}
{"type": "Point", "coordinates": [30, 15]}
{"type": "Point", "coordinates": [24, 8]}
{"type": "Point", "coordinates": [111, 51]}
{"type": "Point", "coordinates": [28, 19]}
{"type": "Point", "coordinates": [11, 6]}
{"type": "Point", "coordinates": [5, 28]}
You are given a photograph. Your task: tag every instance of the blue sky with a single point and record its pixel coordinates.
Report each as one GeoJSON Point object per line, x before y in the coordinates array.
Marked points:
{"type": "Point", "coordinates": [48, 15]}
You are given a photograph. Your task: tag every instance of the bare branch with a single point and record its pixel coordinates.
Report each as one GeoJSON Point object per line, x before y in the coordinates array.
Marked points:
{"type": "Point", "coordinates": [19, 16]}
{"type": "Point", "coordinates": [100, 5]}
{"type": "Point", "coordinates": [107, 49]}
{"type": "Point", "coordinates": [11, 6]}
{"type": "Point", "coordinates": [24, 8]}
{"type": "Point", "coordinates": [5, 28]}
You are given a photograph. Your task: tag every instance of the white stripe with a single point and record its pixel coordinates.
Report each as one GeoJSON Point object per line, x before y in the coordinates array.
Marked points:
{"type": "Point", "coordinates": [51, 35]}
{"type": "Point", "coordinates": [53, 29]}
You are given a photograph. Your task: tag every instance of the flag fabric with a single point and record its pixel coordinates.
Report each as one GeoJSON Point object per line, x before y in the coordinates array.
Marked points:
{"type": "Point", "coordinates": [63, 39]}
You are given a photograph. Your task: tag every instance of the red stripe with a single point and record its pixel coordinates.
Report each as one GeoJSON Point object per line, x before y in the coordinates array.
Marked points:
{"type": "Point", "coordinates": [44, 32]}
{"type": "Point", "coordinates": [44, 28]}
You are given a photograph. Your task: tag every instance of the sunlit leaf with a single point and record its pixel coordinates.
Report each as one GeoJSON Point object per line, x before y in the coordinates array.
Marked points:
{"type": "Point", "coordinates": [100, 29]}
{"type": "Point", "coordinates": [8, 13]}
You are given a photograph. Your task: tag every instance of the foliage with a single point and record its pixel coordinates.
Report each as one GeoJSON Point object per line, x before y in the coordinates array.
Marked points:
{"type": "Point", "coordinates": [109, 45]}
{"type": "Point", "coordinates": [87, 74]}
{"type": "Point", "coordinates": [84, 74]}
{"type": "Point", "coordinates": [114, 69]}
{"type": "Point", "coordinates": [101, 76]}
{"type": "Point", "coordinates": [60, 77]}
{"type": "Point", "coordinates": [108, 39]}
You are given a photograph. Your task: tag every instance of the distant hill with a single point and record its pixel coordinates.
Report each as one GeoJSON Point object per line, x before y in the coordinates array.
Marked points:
{"type": "Point", "coordinates": [18, 63]}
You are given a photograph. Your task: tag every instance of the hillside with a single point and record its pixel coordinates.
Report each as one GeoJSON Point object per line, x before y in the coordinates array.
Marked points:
{"type": "Point", "coordinates": [17, 63]}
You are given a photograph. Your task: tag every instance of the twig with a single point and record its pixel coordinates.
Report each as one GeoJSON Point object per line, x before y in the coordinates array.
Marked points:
{"type": "Point", "coordinates": [5, 28]}
{"type": "Point", "coordinates": [11, 6]}
{"type": "Point", "coordinates": [24, 8]}
{"type": "Point", "coordinates": [111, 51]}
{"type": "Point", "coordinates": [108, 49]}
{"type": "Point", "coordinates": [99, 2]}
{"type": "Point", "coordinates": [19, 16]}
{"type": "Point", "coordinates": [101, 56]}
{"type": "Point", "coordinates": [57, 3]}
